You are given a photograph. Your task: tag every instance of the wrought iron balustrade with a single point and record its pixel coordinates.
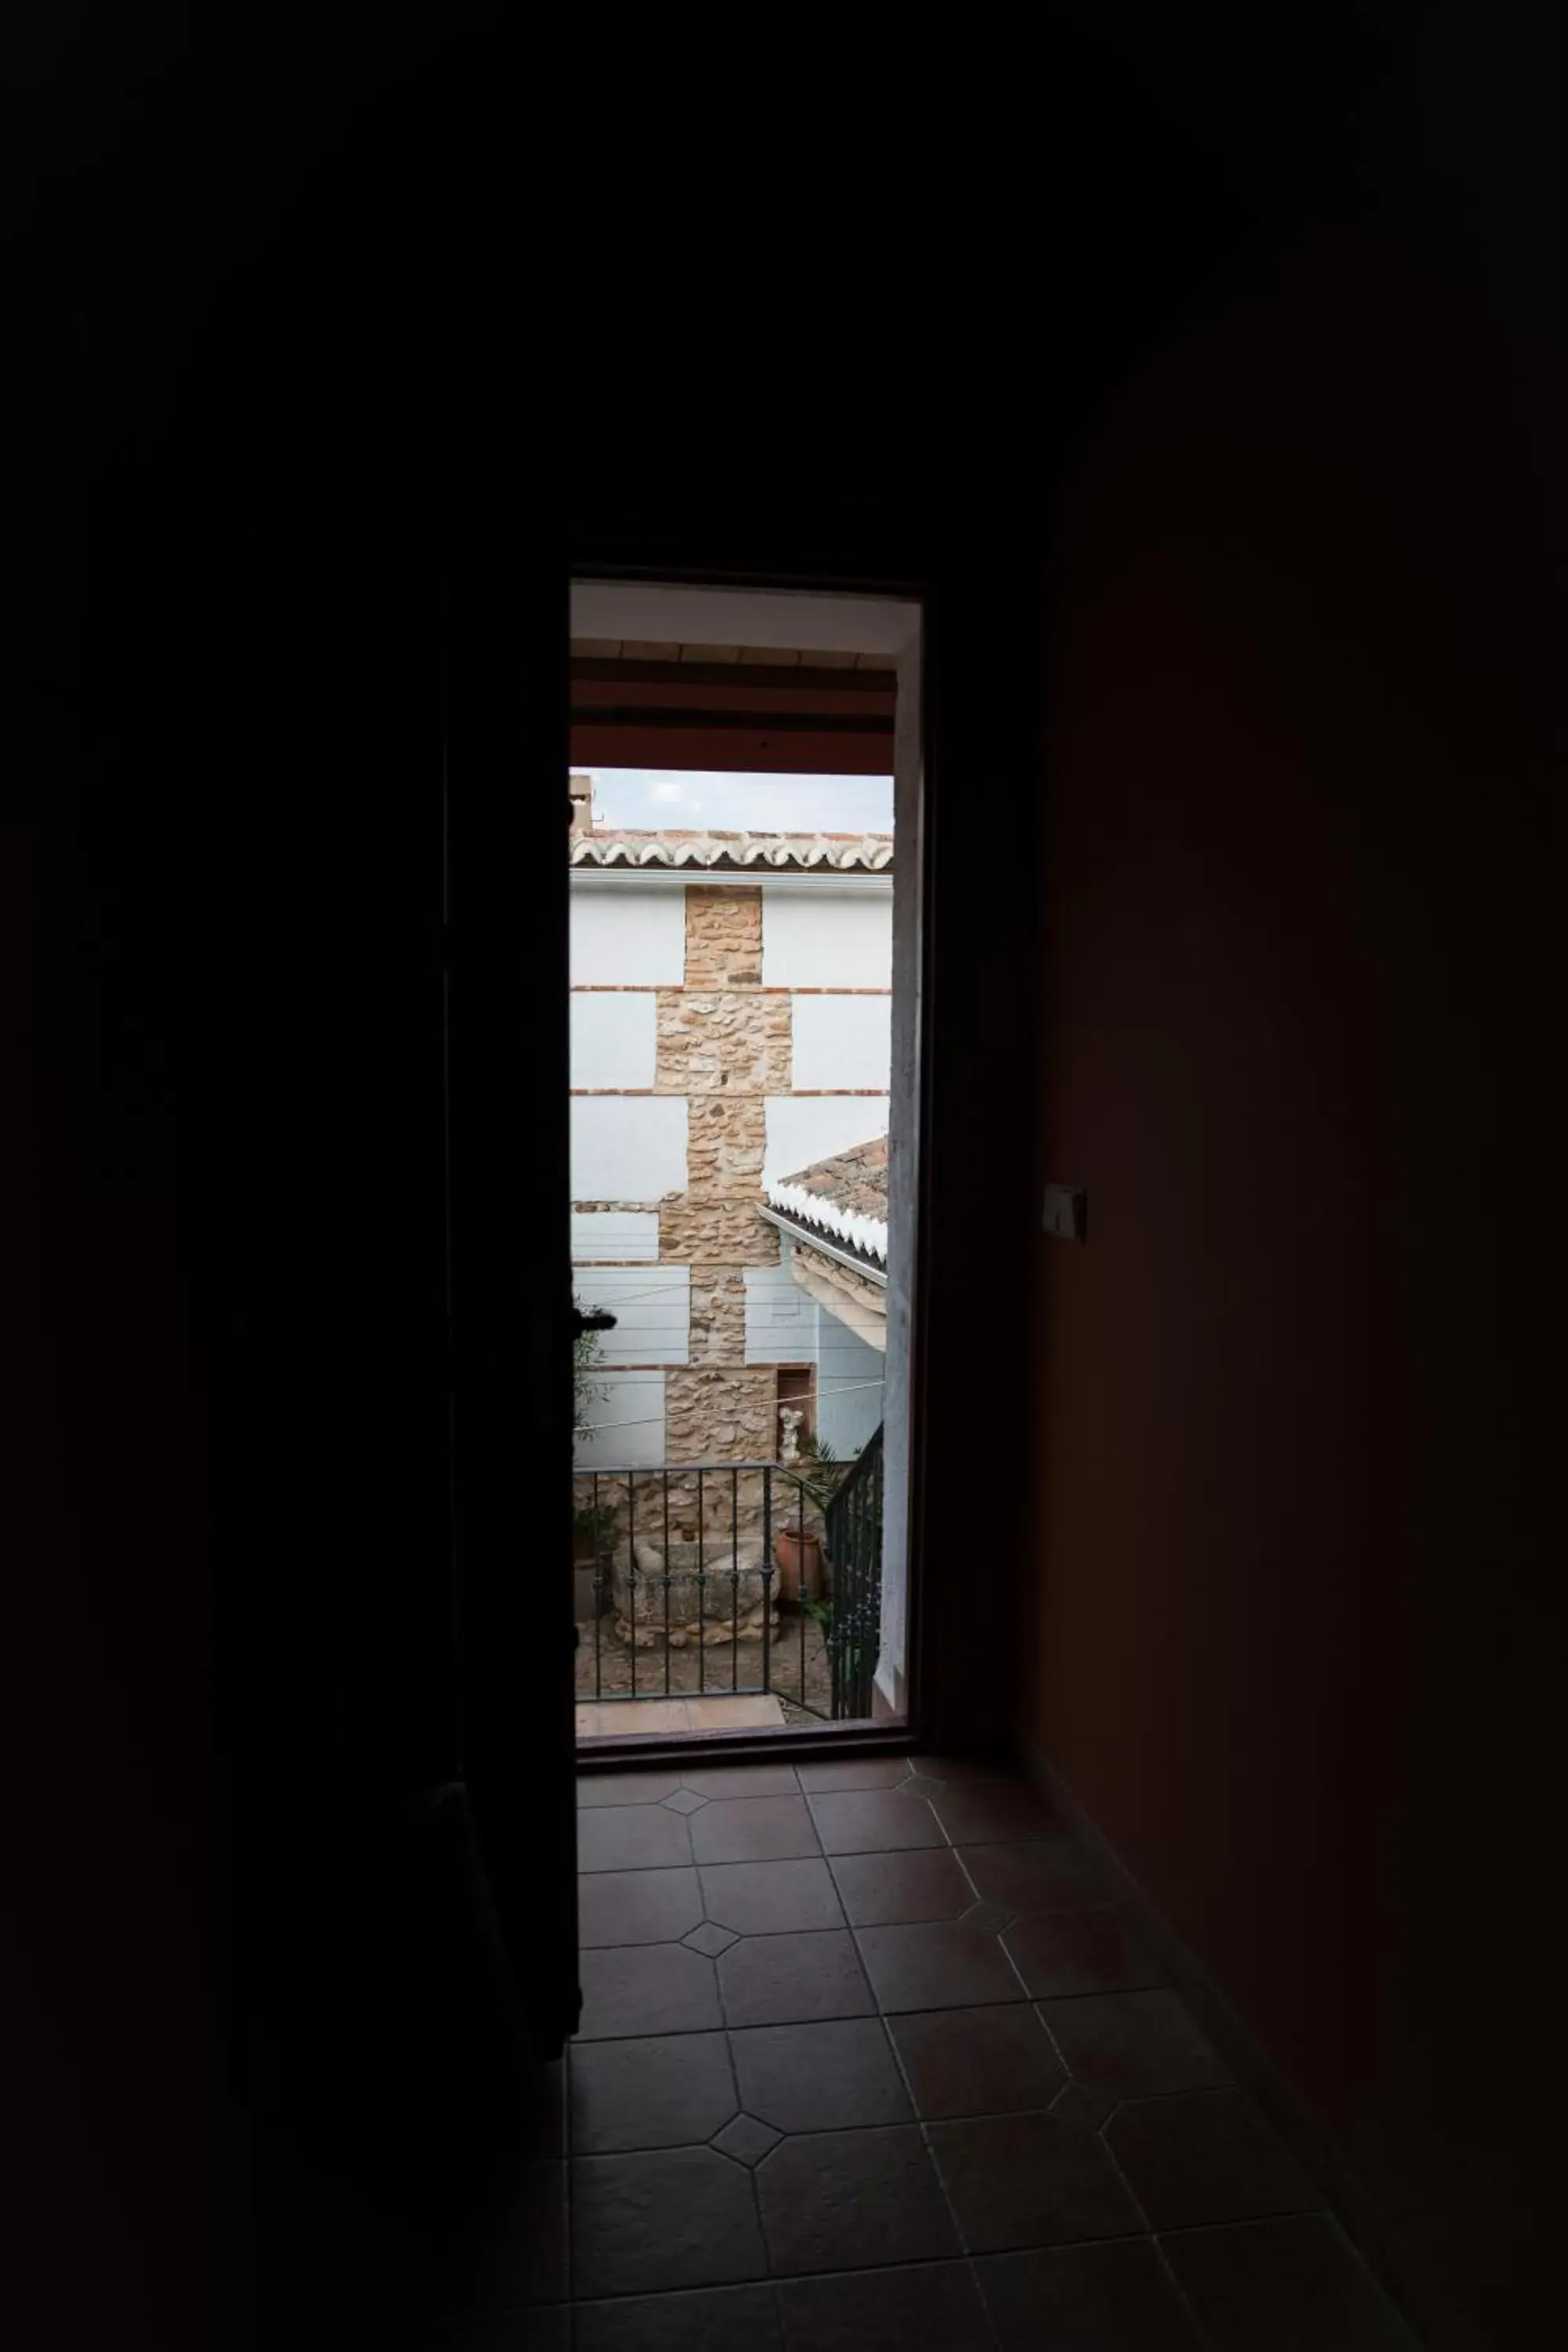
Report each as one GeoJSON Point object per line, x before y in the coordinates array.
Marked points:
{"type": "Point", "coordinates": [695, 1581]}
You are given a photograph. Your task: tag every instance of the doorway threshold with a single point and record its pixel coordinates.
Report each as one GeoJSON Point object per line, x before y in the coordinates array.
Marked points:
{"type": "Point", "coordinates": [673, 1718]}
{"type": "Point", "coordinates": [788, 1743]}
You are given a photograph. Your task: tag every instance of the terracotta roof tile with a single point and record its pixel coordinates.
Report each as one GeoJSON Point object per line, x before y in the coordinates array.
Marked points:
{"type": "Point", "coordinates": [845, 1196]}
{"type": "Point", "coordinates": [785, 853]}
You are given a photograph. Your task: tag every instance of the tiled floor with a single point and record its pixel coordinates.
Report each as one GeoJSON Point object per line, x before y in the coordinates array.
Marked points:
{"type": "Point", "coordinates": [870, 2058]}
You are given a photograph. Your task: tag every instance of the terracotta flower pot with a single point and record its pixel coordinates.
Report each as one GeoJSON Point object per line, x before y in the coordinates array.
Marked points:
{"type": "Point", "coordinates": [798, 1558]}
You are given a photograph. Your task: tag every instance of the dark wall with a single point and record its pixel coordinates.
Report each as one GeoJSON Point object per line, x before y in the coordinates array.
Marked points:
{"type": "Point", "coordinates": [1297, 1494]}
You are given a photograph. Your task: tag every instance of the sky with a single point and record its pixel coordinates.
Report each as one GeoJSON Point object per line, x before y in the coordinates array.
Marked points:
{"type": "Point", "coordinates": [644, 799]}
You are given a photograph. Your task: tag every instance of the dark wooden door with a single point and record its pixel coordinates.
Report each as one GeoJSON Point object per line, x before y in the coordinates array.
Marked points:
{"type": "Point", "coordinates": [507, 715]}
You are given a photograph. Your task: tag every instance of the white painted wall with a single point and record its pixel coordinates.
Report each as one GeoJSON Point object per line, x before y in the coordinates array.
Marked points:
{"type": "Point", "coordinates": [800, 1130]}
{"type": "Point", "coordinates": [838, 936]}
{"type": "Point", "coordinates": [838, 1041]}
{"type": "Point", "coordinates": [627, 937]}
{"type": "Point", "coordinates": [781, 1320]}
{"type": "Point", "coordinates": [615, 1038]}
{"type": "Point", "coordinates": [599, 1233]}
{"type": "Point", "coordinates": [850, 1385]}
{"type": "Point", "coordinates": [784, 1325]}
{"type": "Point", "coordinates": [652, 1307]}
{"type": "Point", "coordinates": [627, 1424]}
{"type": "Point", "coordinates": [627, 1147]}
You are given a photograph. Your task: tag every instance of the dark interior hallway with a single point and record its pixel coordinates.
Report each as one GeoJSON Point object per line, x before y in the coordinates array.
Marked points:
{"type": "Point", "coordinates": [1200, 370]}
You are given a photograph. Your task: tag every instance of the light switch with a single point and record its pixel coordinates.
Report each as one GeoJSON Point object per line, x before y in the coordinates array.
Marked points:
{"type": "Point", "coordinates": [1067, 1211]}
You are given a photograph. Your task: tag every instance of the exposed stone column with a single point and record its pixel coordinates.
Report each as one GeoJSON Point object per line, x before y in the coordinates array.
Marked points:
{"type": "Point", "coordinates": [724, 936]}
{"type": "Point", "coordinates": [725, 1046]}
{"type": "Point", "coordinates": [714, 1041]}
{"type": "Point", "coordinates": [718, 1315]}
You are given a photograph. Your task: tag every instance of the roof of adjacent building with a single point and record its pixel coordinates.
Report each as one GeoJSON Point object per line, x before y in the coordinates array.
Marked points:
{"type": "Point", "coordinates": [844, 1197]}
{"type": "Point", "coordinates": [785, 853]}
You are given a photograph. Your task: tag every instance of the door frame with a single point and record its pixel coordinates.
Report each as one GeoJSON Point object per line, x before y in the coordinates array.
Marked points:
{"type": "Point", "coordinates": [968, 564]}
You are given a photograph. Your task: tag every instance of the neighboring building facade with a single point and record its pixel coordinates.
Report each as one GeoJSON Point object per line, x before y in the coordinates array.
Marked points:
{"type": "Point", "coordinates": [731, 1011]}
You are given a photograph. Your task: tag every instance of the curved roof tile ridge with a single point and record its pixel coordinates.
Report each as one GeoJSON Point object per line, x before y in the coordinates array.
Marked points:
{"type": "Point", "coordinates": [869, 852]}
{"type": "Point", "coordinates": [867, 1235]}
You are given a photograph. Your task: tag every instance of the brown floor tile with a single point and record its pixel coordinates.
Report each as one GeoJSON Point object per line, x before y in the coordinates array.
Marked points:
{"type": "Point", "coordinates": [978, 1815]}
{"type": "Point", "coordinates": [849, 2200]}
{"type": "Point", "coordinates": [753, 1829]}
{"type": "Point", "coordinates": [794, 1979]}
{"type": "Point", "coordinates": [977, 2062]}
{"type": "Point", "coordinates": [636, 1907]}
{"type": "Point", "coordinates": [596, 1788]}
{"type": "Point", "coordinates": [1110, 2298]}
{"type": "Point", "coordinates": [645, 1988]}
{"type": "Point", "coordinates": [1291, 2286]}
{"type": "Point", "coordinates": [1063, 1952]}
{"type": "Point", "coordinates": [668, 2091]}
{"type": "Point", "coordinates": [1028, 2181]}
{"type": "Point", "coordinates": [874, 1820]}
{"type": "Point", "coordinates": [1133, 2044]}
{"type": "Point", "coordinates": [631, 1837]}
{"type": "Point", "coordinates": [936, 1966]}
{"type": "Point", "coordinates": [1205, 2156]}
{"type": "Point", "coordinates": [682, 2217]}
{"type": "Point", "coordinates": [771, 1898]}
{"type": "Point", "coordinates": [865, 1772]}
{"type": "Point", "coordinates": [715, 2319]}
{"type": "Point", "coordinates": [830, 2077]}
{"type": "Point", "coordinates": [742, 1780]}
{"type": "Point", "coordinates": [935, 2308]}
{"type": "Point", "coordinates": [1034, 1876]}
{"type": "Point", "coordinates": [887, 1889]}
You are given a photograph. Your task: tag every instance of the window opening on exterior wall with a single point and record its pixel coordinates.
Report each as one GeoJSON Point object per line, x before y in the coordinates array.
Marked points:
{"type": "Point", "coordinates": [734, 864]}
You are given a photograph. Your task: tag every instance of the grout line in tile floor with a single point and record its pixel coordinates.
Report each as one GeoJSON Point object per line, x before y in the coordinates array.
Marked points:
{"type": "Point", "coordinates": [958, 2230]}
{"type": "Point", "coordinates": [1199, 2330]}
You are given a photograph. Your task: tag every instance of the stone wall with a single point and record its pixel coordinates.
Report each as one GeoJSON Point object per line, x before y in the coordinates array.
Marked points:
{"type": "Point", "coordinates": [711, 1235]}
{"type": "Point", "coordinates": [723, 938]}
{"type": "Point", "coordinates": [718, 1413]}
{"type": "Point", "coordinates": [724, 1150]}
{"type": "Point", "coordinates": [710, 1040]}
{"type": "Point", "coordinates": [718, 1311]}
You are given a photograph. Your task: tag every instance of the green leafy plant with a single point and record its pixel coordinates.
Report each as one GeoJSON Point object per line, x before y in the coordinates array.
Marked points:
{"type": "Point", "coordinates": [593, 1530]}
{"type": "Point", "coordinates": [820, 1473]}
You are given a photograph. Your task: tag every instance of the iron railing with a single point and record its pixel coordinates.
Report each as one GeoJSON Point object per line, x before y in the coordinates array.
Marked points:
{"type": "Point", "coordinates": [854, 1541]}
{"type": "Point", "coordinates": [685, 1589]}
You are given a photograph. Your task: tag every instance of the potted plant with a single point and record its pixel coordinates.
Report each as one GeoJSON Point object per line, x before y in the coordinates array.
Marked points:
{"type": "Point", "coordinates": [797, 1549]}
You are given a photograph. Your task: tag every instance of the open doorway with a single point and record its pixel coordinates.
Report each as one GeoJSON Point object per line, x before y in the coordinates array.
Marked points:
{"type": "Point", "coordinates": [744, 875]}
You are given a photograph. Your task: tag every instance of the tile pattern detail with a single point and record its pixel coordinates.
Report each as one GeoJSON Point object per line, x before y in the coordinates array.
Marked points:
{"type": "Point", "coordinates": [872, 2055]}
